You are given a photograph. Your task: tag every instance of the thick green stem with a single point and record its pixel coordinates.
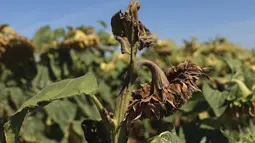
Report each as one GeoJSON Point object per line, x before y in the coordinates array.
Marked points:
{"type": "Point", "coordinates": [120, 135]}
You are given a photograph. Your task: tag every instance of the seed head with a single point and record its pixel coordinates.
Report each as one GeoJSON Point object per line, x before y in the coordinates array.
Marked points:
{"type": "Point", "coordinates": [167, 92]}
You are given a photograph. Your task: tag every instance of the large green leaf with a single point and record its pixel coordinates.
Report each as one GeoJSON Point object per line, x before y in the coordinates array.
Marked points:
{"type": "Point", "coordinates": [88, 109]}
{"type": "Point", "coordinates": [60, 114]}
{"type": "Point", "coordinates": [105, 92]}
{"type": "Point", "coordinates": [191, 105]}
{"type": "Point", "coordinates": [235, 66]}
{"type": "Point", "coordinates": [42, 78]}
{"type": "Point", "coordinates": [215, 99]}
{"type": "Point", "coordinates": [32, 129]}
{"type": "Point", "coordinates": [66, 88]}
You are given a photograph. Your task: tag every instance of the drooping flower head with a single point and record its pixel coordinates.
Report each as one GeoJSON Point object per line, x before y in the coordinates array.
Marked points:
{"type": "Point", "coordinates": [129, 30]}
{"type": "Point", "coordinates": [167, 92]}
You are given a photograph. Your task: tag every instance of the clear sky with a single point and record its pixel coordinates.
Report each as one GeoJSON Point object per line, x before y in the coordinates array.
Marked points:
{"type": "Point", "coordinates": [173, 19]}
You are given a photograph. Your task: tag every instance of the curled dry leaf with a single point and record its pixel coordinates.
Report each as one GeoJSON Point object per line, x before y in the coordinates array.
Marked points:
{"type": "Point", "coordinates": [167, 92]}
{"type": "Point", "coordinates": [127, 27]}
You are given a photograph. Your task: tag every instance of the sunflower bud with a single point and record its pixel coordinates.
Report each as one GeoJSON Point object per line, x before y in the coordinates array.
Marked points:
{"type": "Point", "coordinates": [167, 92]}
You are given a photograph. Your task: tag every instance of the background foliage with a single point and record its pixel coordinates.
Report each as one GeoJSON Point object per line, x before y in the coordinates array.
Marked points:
{"type": "Point", "coordinates": [223, 112]}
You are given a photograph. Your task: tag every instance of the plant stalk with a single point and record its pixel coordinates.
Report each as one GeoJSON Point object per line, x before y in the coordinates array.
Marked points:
{"type": "Point", "coordinates": [120, 134]}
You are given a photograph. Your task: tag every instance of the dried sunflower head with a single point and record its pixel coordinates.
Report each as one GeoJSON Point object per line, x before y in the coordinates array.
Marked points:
{"type": "Point", "coordinates": [128, 30]}
{"type": "Point", "coordinates": [80, 39]}
{"type": "Point", "coordinates": [167, 92]}
{"type": "Point", "coordinates": [18, 56]}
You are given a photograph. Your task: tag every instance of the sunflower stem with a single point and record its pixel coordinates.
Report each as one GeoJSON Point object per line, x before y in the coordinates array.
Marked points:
{"type": "Point", "coordinates": [122, 102]}
{"type": "Point", "coordinates": [120, 135]}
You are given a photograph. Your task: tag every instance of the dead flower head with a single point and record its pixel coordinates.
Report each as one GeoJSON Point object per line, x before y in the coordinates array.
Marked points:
{"type": "Point", "coordinates": [128, 30]}
{"type": "Point", "coordinates": [167, 92]}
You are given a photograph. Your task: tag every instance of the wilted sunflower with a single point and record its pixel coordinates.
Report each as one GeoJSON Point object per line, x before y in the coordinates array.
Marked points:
{"type": "Point", "coordinates": [129, 30]}
{"type": "Point", "coordinates": [167, 92]}
{"type": "Point", "coordinates": [17, 53]}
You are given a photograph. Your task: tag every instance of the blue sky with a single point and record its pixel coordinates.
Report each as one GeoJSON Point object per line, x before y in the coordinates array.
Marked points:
{"type": "Point", "coordinates": [173, 19]}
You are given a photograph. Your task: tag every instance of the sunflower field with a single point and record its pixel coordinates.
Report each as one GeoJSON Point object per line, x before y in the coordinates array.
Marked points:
{"type": "Point", "coordinates": [66, 85]}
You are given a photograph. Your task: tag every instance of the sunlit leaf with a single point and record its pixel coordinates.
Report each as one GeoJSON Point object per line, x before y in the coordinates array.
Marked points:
{"type": "Point", "coordinates": [66, 88]}
{"type": "Point", "coordinates": [215, 99]}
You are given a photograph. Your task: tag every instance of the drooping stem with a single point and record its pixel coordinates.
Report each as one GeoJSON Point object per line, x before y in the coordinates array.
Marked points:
{"type": "Point", "coordinates": [158, 76]}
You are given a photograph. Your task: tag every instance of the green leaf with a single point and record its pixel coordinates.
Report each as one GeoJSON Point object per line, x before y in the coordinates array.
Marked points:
{"type": "Point", "coordinates": [59, 32]}
{"type": "Point", "coordinates": [66, 88]}
{"type": "Point", "coordinates": [190, 106]}
{"type": "Point", "coordinates": [17, 96]}
{"type": "Point", "coordinates": [76, 133]}
{"type": "Point", "coordinates": [105, 93]}
{"type": "Point", "coordinates": [77, 127]}
{"type": "Point", "coordinates": [167, 137]}
{"type": "Point", "coordinates": [32, 130]}
{"type": "Point", "coordinates": [215, 99]}
{"type": "Point", "coordinates": [243, 87]}
{"type": "Point", "coordinates": [235, 66]}
{"type": "Point", "coordinates": [42, 78]}
{"type": "Point", "coordinates": [44, 35]}
{"type": "Point", "coordinates": [87, 108]}
{"type": "Point", "coordinates": [101, 22]}
{"type": "Point", "coordinates": [62, 115]}
{"type": "Point", "coordinates": [234, 93]}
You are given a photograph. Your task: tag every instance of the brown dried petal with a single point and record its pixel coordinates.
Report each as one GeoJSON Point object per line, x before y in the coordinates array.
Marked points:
{"type": "Point", "coordinates": [150, 105]}
{"type": "Point", "coordinates": [146, 39]}
{"type": "Point", "coordinates": [183, 70]}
